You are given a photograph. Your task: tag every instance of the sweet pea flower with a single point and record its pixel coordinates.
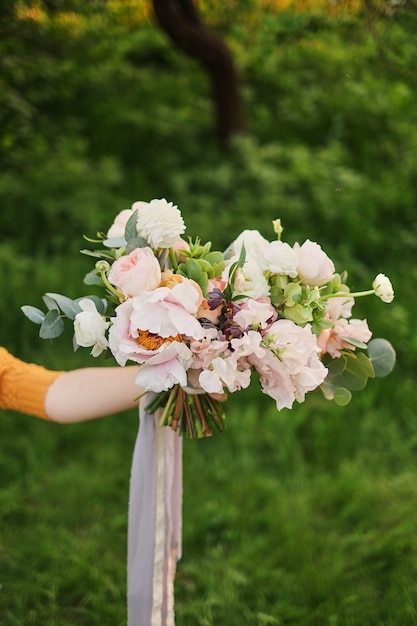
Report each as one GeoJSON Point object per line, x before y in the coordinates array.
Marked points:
{"type": "Point", "coordinates": [314, 266]}
{"type": "Point", "coordinates": [160, 223]}
{"type": "Point", "coordinates": [292, 367]}
{"type": "Point", "coordinates": [281, 259]}
{"type": "Point", "coordinates": [254, 244]}
{"type": "Point", "coordinates": [249, 280]}
{"type": "Point", "coordinates": [255, 314]}
{"type": "Point", "coordinates": [383, 288]}
{"type": "Point", "coordinates": [135, 272]}
{"type": "Point", "coordinates": [223, 373]}
{"type": "Point", "coordinates": [333, 340]}
{"type": "Point", "coordinates": [90, 328]}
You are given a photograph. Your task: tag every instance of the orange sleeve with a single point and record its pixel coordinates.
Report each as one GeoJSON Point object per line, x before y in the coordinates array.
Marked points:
{"type": "Point", "coordinates": [23, 385]}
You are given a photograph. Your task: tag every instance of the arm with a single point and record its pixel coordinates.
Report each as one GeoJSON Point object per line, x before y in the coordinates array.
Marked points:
{"type": "Point", "coordinates": [91, 392]}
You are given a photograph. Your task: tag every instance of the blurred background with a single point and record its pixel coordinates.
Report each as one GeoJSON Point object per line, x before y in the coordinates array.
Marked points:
{"type": "Point", "coordinates": [239, 112]}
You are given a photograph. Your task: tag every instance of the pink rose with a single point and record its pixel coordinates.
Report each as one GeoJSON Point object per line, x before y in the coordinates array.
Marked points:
{"type": "Point", "coordinates": [135, 272]}
{"type": "Point", "coordinates": [314, 266]}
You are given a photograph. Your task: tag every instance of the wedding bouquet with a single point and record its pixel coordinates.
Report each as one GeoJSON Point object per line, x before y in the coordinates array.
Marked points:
{"type": "Point", "coordinates": [200, 322]}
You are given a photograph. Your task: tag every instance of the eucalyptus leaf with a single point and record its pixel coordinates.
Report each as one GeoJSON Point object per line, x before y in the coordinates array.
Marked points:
{"type": "Point", "coordinates": [33, 314]}
{"type": "Point", "coordinates": [355, 342]}
{"type": "Point", "coordinates": [136, 242]}
{"type": "Point", "coordinates": [115, 242]}
{"type": "Point", "coordinates": [93, 278]}
{"type": "Point", "coordinates": [342, 396]}
{"type": "Point", "coordinates": [67, 306]}
{"type": "Point", "coordinates": [99, 254]}
{"type": "Point", "coordinates": [50, 302]}
{"type": "Point", "coordinates": [382, 356]}
{"type": "Point", "coordinates": [100, 303]}
{"type": "Point", "coordinates": [131, 230]}
{"type": "Point", "coordinates": [356, 373]}
{"type": "Point", "coordinates": [52, 326]}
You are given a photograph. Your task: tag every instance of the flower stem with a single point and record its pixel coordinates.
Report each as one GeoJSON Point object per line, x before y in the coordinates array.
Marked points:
{"type": "Point", "coordinates": [173, 258]}
{"type": "Point", "coordinates": [348, 294]}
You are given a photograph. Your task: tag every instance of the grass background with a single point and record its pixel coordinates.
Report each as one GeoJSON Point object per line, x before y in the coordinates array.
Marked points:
{"type": "Point", "coordinates": [304, 517]}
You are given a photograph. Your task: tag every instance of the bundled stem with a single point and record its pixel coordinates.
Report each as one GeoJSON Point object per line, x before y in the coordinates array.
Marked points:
{"type": "Point", "coordinates": [194, 415]}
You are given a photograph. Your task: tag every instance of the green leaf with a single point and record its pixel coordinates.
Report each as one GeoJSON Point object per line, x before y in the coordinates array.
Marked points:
{"type": "Point", "coordinates": [101, 303]}
{"type": "Point", "coordinates": [342, 396]}
{"type": "Point", "coordinates": [69, 307]}
{"type": "Point", "coordinates": [99, 254]}
{"type": "Point", "coordinates": [382, 356]}
{"type": "Point", "coordinates": [50, 302]}
{"type": "Point", "coordinates": [193, 270]}
{"type": "Point", "coordinates": [52, 326]}
{"type": "Point", "coordinates": [33, 314]}
{"type": "Point", "coordinates": [131, 230]}
{"type": "Point", "coordinates": [93, 278]}
{"type": "Point", "coordinates": [114, 242]}
{"type": "Point", "coordinates": [357, 371]}
{"type": "Point", "coordinates": [136, 242]}
{"type": "Point", "coordinates": [355, 342]}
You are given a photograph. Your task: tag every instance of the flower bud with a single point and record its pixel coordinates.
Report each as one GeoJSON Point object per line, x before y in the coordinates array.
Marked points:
{"type": "Point", "coordinates": [383, 288]}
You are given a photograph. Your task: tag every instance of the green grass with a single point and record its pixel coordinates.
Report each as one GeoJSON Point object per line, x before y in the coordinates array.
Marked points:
{"type": "Point", "coordinates": [303, 517]}
{"type": "Point", "coordinates": [299, 518]}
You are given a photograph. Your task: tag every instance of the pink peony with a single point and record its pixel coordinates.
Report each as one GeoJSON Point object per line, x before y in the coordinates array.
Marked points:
{"type": "Point", "coordinates": [314, 266]}
{"type": "Point", "coordinates": [135, 272]}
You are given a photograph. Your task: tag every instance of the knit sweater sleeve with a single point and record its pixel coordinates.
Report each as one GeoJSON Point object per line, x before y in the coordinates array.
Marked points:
{"type": "Point", "coordinates": [23, 386]}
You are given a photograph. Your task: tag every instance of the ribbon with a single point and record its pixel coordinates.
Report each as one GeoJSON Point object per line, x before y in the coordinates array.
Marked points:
{"type": "Point", "coordinates": [155, 522]}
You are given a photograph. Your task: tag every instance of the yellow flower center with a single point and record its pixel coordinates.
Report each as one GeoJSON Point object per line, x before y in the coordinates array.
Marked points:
{"type": "Point", "coordinates": [153, 341]}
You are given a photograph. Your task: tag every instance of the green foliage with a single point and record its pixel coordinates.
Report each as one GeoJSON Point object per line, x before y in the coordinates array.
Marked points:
{"type": "Point", "coordinates": [305, 517]}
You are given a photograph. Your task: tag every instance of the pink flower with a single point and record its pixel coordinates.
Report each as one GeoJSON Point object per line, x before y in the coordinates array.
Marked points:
{"type": "Point", "coordinates": [335, 339]}
{"type": "Point", "coordinates": [255, 314]}
{"type": "Point", "coordinates": [314, 266]}
{"type": "Point", "coordinates": [117, 229]}
{"type": "Point", "coordinates": [224, 373]}
{"type": "Point", "coordinates": [291, 366]}
{"type": "Point", "coordinates": [135, 272]}
{"type": "Point", "coordinates": [146, 324]}
{"type": "Point", "coordinates": [168, 367]}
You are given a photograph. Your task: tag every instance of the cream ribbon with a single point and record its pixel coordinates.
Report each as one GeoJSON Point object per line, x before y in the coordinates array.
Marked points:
{"type": "Point", "coordinates": [155, 522]}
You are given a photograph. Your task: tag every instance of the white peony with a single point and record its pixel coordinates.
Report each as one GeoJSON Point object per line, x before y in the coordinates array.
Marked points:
{"type": "Point", "coordinates": [383, 288]}
{"type": "Point", "coordinates": [90, 328]}
{"type": "Point", "coordinates": [160, 223]}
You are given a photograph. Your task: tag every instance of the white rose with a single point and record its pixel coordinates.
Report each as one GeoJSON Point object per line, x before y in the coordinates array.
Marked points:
{"type": "Point", "coordinates": [383, 288]}
{"type": "Point", "coordinates": [90, 328]}
{"type": "Point", "coordinates": [249, 280]}
{"type": "Point", "coordinates": [160, 223]}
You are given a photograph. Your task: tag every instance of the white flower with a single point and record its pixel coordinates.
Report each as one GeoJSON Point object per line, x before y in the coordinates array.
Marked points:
{"type": "Point", "coordinates": [281, 258]}
{"type": "Point", "coordinates": [90, 328]}
{"type": "Point", "coordinates": [383, 288]}
{"type": "Point", "coordinates": [255, 246]}
{"type": "Point", "coordinates": [314, 266]}
{"type": "Point", "coordinates": [160, 223]}
{"type": "Point", "coordinates": [249, 280]}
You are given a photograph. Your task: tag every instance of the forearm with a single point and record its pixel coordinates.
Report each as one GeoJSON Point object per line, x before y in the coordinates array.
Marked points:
{"type": "Point", "coordinates": [89, 393]}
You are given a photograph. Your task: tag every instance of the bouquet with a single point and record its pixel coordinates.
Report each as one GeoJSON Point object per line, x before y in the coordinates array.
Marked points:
{"type": "Point", "coordinates": [200, 322]}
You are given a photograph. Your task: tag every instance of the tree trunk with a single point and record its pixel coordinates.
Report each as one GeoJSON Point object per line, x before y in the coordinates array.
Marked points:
{"type": "Point", "coordinates": [182, 23]}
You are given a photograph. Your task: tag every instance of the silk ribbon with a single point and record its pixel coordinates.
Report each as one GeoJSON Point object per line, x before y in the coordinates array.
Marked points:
{"type": "Point", "coordinates": [155, 522]}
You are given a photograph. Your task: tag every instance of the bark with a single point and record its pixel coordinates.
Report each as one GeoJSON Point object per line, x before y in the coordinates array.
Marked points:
{"type": "Point", "coordinates": [183, 24]}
